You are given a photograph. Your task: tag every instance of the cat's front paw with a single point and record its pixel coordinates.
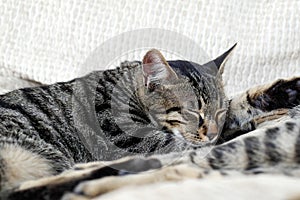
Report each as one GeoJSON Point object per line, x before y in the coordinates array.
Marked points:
{"type": "Point", "coordinates": [280, 94]}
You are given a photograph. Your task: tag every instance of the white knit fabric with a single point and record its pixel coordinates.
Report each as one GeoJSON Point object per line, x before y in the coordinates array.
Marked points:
{"type": "Point", "coordinates": [48, 41]}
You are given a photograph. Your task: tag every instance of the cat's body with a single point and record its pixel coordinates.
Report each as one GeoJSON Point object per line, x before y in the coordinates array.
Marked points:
{"type": "Point", "coordinates": [174, 106]}
{"type": "Point", "coordinates": [104, 115]}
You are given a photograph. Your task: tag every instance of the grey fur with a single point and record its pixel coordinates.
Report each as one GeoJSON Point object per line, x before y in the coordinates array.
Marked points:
{"type": "Point", "coordinates": [81, 120]}
{"type": "Point", "coordinates": [75, 121]}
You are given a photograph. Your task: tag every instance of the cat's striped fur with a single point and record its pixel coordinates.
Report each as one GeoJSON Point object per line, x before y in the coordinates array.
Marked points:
{"type": "Point", "coordinates": [274, 147]}
{"type": "Point", "coordinates": [154, 108]}
{"type": "Point", "coordinates": [267, 117]}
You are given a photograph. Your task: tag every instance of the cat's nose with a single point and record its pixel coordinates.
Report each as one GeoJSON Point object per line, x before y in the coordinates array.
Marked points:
{"type": "Point", "coordinates": [212, 130]}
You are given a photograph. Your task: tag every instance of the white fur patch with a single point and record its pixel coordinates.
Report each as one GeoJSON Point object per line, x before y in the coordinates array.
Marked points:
{"type": "Point", "coordinates": [21, 165]}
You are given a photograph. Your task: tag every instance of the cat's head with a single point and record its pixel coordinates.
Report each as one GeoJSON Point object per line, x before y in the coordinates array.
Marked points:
{"type": "Point", "coordinates": [186, 99]}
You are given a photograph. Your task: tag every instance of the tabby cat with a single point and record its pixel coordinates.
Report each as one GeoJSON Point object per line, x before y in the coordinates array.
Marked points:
{"type": "Point", "coordinates": [156, 108]}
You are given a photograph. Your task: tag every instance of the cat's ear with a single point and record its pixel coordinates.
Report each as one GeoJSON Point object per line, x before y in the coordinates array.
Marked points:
{"type": "Point", "coordinates": [156, 69]}
{"type": "Point", "coordinates": [220, 61]}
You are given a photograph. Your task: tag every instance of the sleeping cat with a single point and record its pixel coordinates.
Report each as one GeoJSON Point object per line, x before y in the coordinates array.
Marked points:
{"type": "Point", "coordinates": [151, 108]}
{"type": "Point", "coordinates": [146, 108]}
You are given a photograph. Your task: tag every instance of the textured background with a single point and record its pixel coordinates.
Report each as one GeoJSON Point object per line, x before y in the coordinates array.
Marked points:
{"type": "Point", "coordinates": [48, 41]}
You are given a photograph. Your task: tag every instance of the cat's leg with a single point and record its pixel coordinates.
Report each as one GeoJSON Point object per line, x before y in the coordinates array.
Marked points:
{"type": "Point", "coordinates": [171, 173]}
{"type": "Point", "coordinates": [54, 187]}
{"type": "Point", "coordinates": [94, 170]}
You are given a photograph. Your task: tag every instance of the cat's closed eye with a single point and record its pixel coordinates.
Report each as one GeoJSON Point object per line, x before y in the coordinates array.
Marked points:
{"type": "Point", "coordinates": [173, 109]}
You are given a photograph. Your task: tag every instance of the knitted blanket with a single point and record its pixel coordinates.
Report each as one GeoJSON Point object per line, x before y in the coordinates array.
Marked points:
{"type": "Point", "coordinates": [48, 41]}
{"type": "Point", "coordinates": [42, 42]}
